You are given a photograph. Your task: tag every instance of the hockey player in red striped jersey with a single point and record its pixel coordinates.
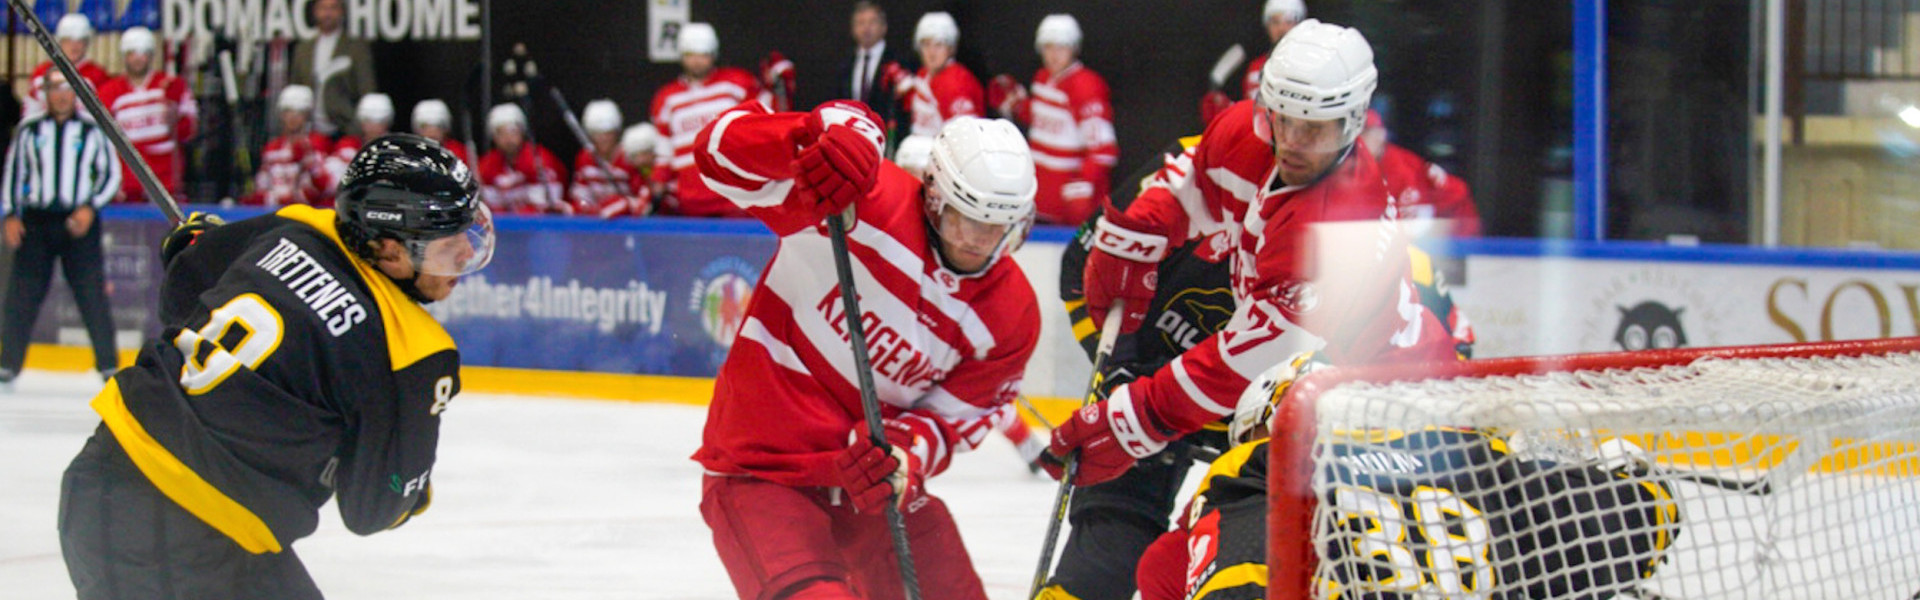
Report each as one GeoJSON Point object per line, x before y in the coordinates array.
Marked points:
{"type": "Point", "coordinates": [293, 165]}
{"type": "Point", "coordinates": [75, 35]}
{"type": "Point", "coordinates": [595, 191]}
{"type": "Point", "coordinates": [943, 89]}
{"type": "Point", "coordinates": [1432, 201]}
{"type": "Point", "coordinates": [432, 120]}
{"type": "Point", "coordinates": [794, 489]}
{"type": "Point", "coordinates": [1279, 17]}
{"type": "Point", "coordinates": [156, 111]}
{"type": "Point", "coordinates": [373, 118]}
{"type": "Point", "coordinates": [1319, 263]}
{"type": "Point", "coordinates": [1069, 113]}
{"type": "Point", "coordinates": [519, 176]}
{"type": "Point", "coordinates": [686, 105]}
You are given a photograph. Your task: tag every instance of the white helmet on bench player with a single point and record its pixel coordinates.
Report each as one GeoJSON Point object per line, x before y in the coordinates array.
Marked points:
{"type": "Point", "coordinates": [1319, 72]}
{"type": "Point", "coordinates": [983, 170]}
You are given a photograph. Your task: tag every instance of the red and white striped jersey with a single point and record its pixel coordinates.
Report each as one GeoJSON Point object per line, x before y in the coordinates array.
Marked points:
{"type": "Point", "coordinates": [1428, 194]}
{"type": "Point", "coordinates": [938, 97]}
{"type": "Point", "coordinates": [1251, 85]}
{"type": "Point", "coordinates": [35, 104]}
{"type": "Point", "coordinates": [680, 110]}
{"type": "Point", "coordinates": [293, 171]}
{"type": "Point", "coordinates": [337, 160]}
{"type": "Point", "coordinates": [1074, 150]}
{"type": "Point", "coordinates": [593, 193]}
{"type": "Point", "coordinates": [947, 350]}
{"type": "Point", "coordinates": [158, 114]}
{"type": "Point", "coordinates": [1320, 267]}
{"type": "Point", "coordinates": [458, 149]}
{"type": "Point", "coordinates": [531, 184]}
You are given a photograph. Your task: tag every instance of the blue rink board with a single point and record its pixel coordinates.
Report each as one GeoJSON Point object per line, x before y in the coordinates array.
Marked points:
{"type": "Point", "coordinates": [649, 295]}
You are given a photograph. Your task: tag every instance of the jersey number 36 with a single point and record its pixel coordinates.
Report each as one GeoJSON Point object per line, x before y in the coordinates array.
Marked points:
{"type": "Point", "coordinates": [1431, 541]}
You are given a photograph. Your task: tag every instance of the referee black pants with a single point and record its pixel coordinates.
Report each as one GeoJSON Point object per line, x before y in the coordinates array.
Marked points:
{"type": "Point", "coordinates": [82, 261]}
{"type": "Point", "coordinates": [124, 540]}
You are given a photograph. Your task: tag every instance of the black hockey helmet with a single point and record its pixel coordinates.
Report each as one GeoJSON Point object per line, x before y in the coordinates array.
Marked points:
{"type": "Point", "coordinates": [409, 188]}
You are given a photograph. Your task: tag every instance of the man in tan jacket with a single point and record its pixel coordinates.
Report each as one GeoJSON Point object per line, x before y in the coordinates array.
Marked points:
{"type": "Point", "coordinates": [337, 66]}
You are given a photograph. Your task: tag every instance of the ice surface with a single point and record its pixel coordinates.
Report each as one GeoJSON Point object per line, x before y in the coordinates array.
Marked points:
{"type": "Point", "coordinates": [533, 498]}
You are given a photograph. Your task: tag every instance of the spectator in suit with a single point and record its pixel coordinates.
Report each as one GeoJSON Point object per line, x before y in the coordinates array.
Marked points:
{"type": "Point", "coordinates": [861, 78]}
{"type": "Point", "coordinates": [338, 67]}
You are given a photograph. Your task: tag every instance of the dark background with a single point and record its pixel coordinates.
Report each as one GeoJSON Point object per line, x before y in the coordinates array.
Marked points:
{"type": "Point", "coordinates": [1481, 87]}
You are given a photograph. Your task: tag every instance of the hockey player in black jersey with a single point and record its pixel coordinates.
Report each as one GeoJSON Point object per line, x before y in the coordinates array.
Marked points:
{"type": "Point", "coordinates": [1548, 537]}
{"type": "Point", "coordinates": [296, 365]}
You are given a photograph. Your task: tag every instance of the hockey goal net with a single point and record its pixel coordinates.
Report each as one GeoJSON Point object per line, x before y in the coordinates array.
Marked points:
{"type": "Point", "coordinates": [1788, 471]}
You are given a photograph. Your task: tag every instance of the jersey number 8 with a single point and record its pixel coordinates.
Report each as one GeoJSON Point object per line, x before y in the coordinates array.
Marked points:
{"type": "Point", "coordinates": [241, 333]}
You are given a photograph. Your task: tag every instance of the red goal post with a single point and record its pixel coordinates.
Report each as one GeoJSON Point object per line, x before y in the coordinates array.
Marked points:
{"type": "Point", "coordinates": [1696, 414]}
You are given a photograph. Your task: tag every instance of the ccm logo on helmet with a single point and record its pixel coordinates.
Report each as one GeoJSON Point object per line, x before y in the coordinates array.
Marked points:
{"type": "Point", "coordinates": [377, 215]}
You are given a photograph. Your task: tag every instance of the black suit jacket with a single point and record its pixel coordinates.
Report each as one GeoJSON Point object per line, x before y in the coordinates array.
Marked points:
{"type": "Point", "coordinates": [879, 97]}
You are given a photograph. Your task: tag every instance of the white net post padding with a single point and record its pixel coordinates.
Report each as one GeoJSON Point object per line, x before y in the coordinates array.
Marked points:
{"type": "Point", "coordinates": [1775, 477]}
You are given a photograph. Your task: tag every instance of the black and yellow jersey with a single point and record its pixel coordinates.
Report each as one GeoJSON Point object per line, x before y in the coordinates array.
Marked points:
{"type": "Point", "coordinates": [1390, 490]}
{"type": "Point", "coordinates": [288, 372]}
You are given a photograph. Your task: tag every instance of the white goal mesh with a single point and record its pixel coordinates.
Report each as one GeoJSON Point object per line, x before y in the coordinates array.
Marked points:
{"type": "Point", "coordinates": [1763, 472]}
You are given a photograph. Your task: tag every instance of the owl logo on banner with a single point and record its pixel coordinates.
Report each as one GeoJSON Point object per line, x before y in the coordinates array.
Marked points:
{"type": "Point", "coordinates": [720, 296]}
{"type": "Point", "coordinates": [1650, 326]}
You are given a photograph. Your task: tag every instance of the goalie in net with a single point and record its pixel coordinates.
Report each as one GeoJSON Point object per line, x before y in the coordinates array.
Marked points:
{"type": "Point", "coordinates": [1436, 512]}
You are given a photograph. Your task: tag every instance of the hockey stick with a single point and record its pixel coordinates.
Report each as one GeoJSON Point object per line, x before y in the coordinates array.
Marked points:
{"type": "Point", "coordinates": [104, 119]}
{"type": "Point", "coordinates": [869, 403]}
{"type": "Point", "coordinates": [1109, 335]}
{"type": "Point", "coordinates": [579, 132]}
{"type": "Point", "coordinates": [1224, 67]}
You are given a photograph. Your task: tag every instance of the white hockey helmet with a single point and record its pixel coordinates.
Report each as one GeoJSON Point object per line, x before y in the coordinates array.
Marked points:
{"type": "Point", "coordinates": [138, 39]}
{"type": "Point", "coordinates": [1060, 29]}
{"type": "Point", "coordinates": [295, 98]}
{"type": "Point", "coordinates": [1292, 10]}
{"type": "Point", "coordinates": [640, 138]}
{"type": "Point", "coordinates": [698, 38]}
{"type": "Point", "coordinates": [984, 171]}
{"type": "Point", "coordinates": [1263, 395]}
{"type": "Point", "coordinates": [939, 27]}
{"type": "Point", "coordinates": [73, 26]}
{"type": "Point", "coordinates": [374, 108]}
{"type": "Point", "coordinates": [506, 115]}
{"type": "Point", "coordinates": [1319, 72]}
{"type": "Point", "coordinates": [601, 116]}
{"type": "Point", "coordinates": [913, 154]}
{"type": "Point", "coordinates": [432, 112]}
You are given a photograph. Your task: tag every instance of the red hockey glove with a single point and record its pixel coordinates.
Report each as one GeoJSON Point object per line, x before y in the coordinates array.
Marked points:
{"type": "Point", "coordinates": [896, 78]}
{"type": "Point", "coordinates": [775, 68]}
{"type": "Point", "coordinates": [841, 155]}
{"type": "Point", "coordinates": [1212, 104]}
{"type": "Point", "coordinates": [869, 475]}
{"type": "Point", "coordinates": [1006, 94]}
{"type": "Point", "coordinates": [776, 72]}
{"type": "Point", "coordinates": [1109, 436]}
{"type": "Point", "coordinates": [1124, 263]}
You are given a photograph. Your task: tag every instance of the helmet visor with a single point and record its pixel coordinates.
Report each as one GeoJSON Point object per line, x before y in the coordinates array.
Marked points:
{"type": "Point", "coordinates": [458, 254]}
{"type": "Point", "coordinates": [1304, 135]}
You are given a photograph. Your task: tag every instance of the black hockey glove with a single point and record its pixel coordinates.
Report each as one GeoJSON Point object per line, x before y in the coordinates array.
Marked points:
{"type": "Point", "coordinates": [186, 233]}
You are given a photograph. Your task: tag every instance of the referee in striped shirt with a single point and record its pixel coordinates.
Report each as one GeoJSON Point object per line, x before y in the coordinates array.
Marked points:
{"type": "Point", "coordinates": [60, 170]}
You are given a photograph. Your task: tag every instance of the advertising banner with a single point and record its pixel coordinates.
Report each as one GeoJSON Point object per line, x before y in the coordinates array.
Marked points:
{"type": "Point", "coordinates": [608, 300]}
{"type": "Point", "coordinates": [1550, 305]}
